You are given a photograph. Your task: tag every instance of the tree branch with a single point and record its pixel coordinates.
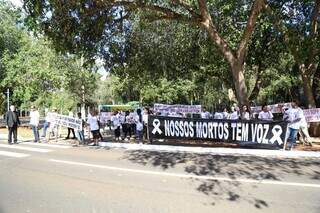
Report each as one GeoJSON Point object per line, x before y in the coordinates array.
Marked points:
{"type": "Point", "coordinates": [207, 23]}
{"type": "Point", "coordinates": [257, 6]}
{"type": "Point", "coordinates": [166, 12]}
{"type": "Point", "coordinates": [188, 7]}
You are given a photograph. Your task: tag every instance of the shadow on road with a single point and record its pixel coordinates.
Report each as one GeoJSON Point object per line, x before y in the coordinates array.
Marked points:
{"type": "Point", "coordinates": [233, 167]}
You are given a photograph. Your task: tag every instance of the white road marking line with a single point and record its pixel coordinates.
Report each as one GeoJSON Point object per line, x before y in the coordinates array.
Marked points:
{"type": "Point", "coordinates": [24, 148]}
{"type": "Point", "coordinates": [47, 145]}
{"type": "Point", "coordinates": [13, 154]}
{"type": "Point", "coordinates": [188, 176]}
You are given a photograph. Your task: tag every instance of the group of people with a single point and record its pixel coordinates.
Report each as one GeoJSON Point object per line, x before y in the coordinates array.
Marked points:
{"type": "Point", "coordinates": [293, 115]}
{"type": "Point", "coordinates": [131, 123]}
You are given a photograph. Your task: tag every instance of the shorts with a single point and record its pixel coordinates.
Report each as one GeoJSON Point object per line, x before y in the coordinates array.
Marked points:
{"type": "Point", "coordinates": [95, 134]}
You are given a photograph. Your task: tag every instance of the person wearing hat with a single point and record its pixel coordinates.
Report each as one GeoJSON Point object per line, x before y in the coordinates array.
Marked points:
{"type": "Point", "coordinates": [34, 122]}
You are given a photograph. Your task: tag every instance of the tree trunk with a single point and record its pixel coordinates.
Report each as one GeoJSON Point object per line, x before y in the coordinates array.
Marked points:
{"type": "Point", "coordinates": [316, 86]}
{"type": "Point", "coordinates": [306, 79]}
{"type": "Point", "coordinates": [239, 83]}
{"type": "Point", "coordinates": [257, 86]}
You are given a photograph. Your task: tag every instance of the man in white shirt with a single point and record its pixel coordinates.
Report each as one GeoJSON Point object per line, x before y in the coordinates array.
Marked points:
{"type": "Point", "coordinates": [205, 114]}
{"type": "Point", "coordinates": [34, 123]}
{"type": "Point", "coordinates": [293, 116]}
{"type": "Point", "coordinates": [265, 114]}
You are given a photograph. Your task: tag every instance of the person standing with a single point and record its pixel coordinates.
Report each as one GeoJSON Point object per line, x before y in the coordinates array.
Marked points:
{"type": "Point", "coordinates": [93, 122]}
{"type": "Point", "coordinates": [293, 116]}
{"type": "Point", "coordinates": [145, 118]}
{"type": "Point", "coordinates": [139, 125]}
{"type": "Point", "coordinates": [71, 129]}
{"type": "Point", "coordinates": [115, 119]}
{"type": "Point", "coordinates": [80, 132]}
{"type": "Point", "coordinates": [128, 131]}
{"type": "Point", "coordinates": [245, 113]}
{"type": "Point", "coordinates": [234, 114]}
{"type": "Point", "coordinates": [218, 115]}
{"type": "Point", "coordinates": [12, 122]}
{"type": "Point", "coordinates": [265, 114]}
{"type": "Point", "coordinates": [225, 113]}
{"type": "Point", "coordinates": [34, 123]}
{"type": "Point", "coordinates": [205, 114]}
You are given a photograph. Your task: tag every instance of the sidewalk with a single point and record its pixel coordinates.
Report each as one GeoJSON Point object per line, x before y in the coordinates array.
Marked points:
{"type": "Point", "coordinates": [196, 150]}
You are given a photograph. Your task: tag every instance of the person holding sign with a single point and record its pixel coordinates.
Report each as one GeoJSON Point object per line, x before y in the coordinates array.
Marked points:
{"type": "Point", "coordinates": [265, 114]}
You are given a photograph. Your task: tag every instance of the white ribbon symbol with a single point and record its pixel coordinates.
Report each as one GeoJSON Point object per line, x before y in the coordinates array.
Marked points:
{"type": "Point", "coordinates": [156, 125]}
{"type": "Point", "coordinates": [276, 131]}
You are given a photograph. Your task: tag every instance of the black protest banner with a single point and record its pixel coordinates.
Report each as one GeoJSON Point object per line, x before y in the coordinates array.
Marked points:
{"type": "Point", "coordinates": [236, 131]}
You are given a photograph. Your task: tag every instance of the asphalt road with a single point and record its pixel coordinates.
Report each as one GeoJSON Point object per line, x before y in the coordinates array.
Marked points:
{"type": "Point", "coordinates": [58, 178]}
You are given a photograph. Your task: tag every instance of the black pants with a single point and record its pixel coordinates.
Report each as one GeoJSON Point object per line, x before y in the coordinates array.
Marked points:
{"type": "Point", "coordinates": [127, 130]}
{"type": "Point", "coordinates": [71, 130]}
{"type": "Point", "coordinates": [13, 130]}
{"type": "Point", "coordinates": [145, 132]}
{"type": "Point", "coordinates": [117, 132]}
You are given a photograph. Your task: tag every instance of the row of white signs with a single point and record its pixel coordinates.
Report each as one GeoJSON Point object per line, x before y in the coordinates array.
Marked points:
{"type": "Point", "coordinates": [312, 115]}
{"type": "Point", "coordinates": [65, 121]}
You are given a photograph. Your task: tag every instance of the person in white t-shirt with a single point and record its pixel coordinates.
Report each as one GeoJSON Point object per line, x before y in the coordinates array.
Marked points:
{"type": "Point", "coordinates": [145, 117]}
{"type": "Point", "coordinates": [234, 114]}
{"type": "Point", "coordinates": [205, 114]}
{"type": "Point", "coordinates": [245, 113]}
{"type": "Point", "coordinates": [116, 123]}
{"type": "Point", "coordinates": [225, 113]}
{"type": "Point", "coordinates": [265, 114]}
{"type": "Point", "coordinates": [139, 125]}
{"type": "Point", "coordinates": [218, 115]}
{"type": "Point", "coordinates": [34, 122]}
{"type": "Point", "coordinates": [293, 115]}
{"type": "Point", "coordinates": [93, 122]}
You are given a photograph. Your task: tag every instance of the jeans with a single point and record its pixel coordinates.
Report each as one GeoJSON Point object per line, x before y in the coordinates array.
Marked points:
{"type": "Point", "coordinates": [44, 130]}
{"type": "Point", "coordinates": [35, 133]}
{"type": "Point", "coordinates": [80, 135]}
{"type": "Point", "coordinates": [292, 137]}
{"type": "Point", "coordinates": [140, 135]}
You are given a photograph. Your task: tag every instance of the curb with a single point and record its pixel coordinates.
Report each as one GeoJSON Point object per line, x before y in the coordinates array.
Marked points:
{"type": "Point", "coordinates": [214, 151]}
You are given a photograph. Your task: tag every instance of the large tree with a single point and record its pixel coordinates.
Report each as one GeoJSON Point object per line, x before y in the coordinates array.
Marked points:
{"type": "Point", "coordinates": [86, 25]}
{"type": "Point", "coordinates": [298, 22]}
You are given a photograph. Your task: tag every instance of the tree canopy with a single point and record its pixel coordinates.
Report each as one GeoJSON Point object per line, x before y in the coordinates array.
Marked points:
{"type": "Point", "coordinates": [236, 31]}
